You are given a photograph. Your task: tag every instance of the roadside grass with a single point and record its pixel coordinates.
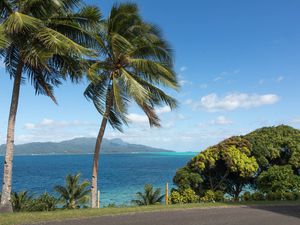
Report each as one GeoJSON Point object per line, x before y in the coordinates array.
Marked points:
{"type": "Point", "coordinates": [34, 217]}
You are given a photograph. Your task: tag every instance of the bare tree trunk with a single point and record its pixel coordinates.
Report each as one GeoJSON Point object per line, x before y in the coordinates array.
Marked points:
{"type": "Point", "coordinates": [97, 150]}
{"type": "Point", "coordinates": [6, 205]}
{"type": "Point", "coordinates": [96, 162]}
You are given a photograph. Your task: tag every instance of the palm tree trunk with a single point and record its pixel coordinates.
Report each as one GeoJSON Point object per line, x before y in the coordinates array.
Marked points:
{"type": "Point", "coordinates": [97, 149]}
{"type": "Point", "coordinates": [6, 205]}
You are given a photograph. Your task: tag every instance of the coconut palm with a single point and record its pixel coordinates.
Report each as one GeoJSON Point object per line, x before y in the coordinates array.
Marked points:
{"type": "Point", "coordinates": [43, 41]}
{"type": "Point", "coordinates": [74, 194]}
{"type": "Point", "coordinates": [149, 197]}
{"type": "Point", "coordinates": [134, 63]}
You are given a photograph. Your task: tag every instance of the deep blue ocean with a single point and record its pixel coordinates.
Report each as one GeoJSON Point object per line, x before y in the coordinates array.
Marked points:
{"type": "Point", "coordinates": [120, 175]}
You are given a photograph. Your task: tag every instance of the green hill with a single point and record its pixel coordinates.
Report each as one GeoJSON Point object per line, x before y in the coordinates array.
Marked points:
{"type": "Point", "coordinates": [80, 146]}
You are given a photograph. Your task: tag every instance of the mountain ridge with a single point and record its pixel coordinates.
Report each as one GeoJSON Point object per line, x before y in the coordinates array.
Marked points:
{"type": "Point", "coordinates": [83, 145]}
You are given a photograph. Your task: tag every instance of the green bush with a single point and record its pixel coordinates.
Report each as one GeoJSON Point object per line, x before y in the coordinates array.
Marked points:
{"type": "Point", "coordinates": [45, 202]}
{"type": "Point", "coordinates": [209, 196]}
{"type": "Point", "coordinates": [183, 197]}
{"type": "Point", "coordinates": [246, 196]}
{"type": "Point", "coordinates": [219, 196]}
{"type": "Point", "coordinates": [290, 196]}
{"type": "Point", "coordinates": [258, 196]}
{"type": "Point", "coordinates": [271, 196]}
{"type": "Point", "coordinates": [297, 195]}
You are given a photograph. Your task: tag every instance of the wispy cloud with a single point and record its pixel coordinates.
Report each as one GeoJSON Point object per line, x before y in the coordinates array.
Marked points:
{"type": "Point", "coordinates": [221, 120]}
{"type": "Point", "coordinates": [215, 103]}
{"type": "Point", "coordinates": [224, 74]}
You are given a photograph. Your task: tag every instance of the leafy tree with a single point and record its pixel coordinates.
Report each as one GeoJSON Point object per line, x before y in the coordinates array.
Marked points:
{"type": "Point", "coordinates": [227, 167]}
{"type": "Point", "coordinates": [74, 194]}
{"type": "Point", "coordinates": [149, 197]}
{"type": "Point", "coordinates": [21, 201]}
{"type": "Point", "coordinates": [43, 41]}
{"type": "Point", "coordinates": [134, 62]}
{"type": "Point", "coordinates": [276, 146]}
{"type": "Point", "coordinates": [279, 179]}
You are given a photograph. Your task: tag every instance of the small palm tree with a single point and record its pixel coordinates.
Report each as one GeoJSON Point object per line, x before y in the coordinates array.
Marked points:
{"type": "Point", "coordinates": [134, 64]}
{"type": "Point", "coordinates": [149, 197]}
{"type": "Point", "coordinates": [74, 194]}
{"type": "Point", "coordinates": [21, 201]}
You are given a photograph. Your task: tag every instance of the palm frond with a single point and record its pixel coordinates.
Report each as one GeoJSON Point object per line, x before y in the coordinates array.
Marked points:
{"type": "Point", "coordinates": [21, 23]}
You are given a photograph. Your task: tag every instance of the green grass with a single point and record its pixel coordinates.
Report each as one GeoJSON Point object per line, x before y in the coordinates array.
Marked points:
{"type": "Point", "coordinates": [34, 217]}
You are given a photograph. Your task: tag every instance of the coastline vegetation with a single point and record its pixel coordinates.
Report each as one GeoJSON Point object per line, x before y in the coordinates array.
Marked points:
{"type": "Point", "coordinates": [262, 165]}
{"type": "Point", "coordinates": [127, 61]}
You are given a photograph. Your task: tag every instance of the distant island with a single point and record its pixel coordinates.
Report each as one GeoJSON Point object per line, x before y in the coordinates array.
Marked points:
{"type": "Point", "coordinates": [81, 146]}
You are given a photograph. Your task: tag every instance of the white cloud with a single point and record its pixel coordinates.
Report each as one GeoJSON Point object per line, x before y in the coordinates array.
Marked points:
{"type": "Point", "coordinates": [295, 120]}
{"type": "Point", "coordinates": [142, 118]}
{"type": "Point", "coordinates": [183, 68]}
{"type": "Point", "coordinates": [137, 118]}
{"type": "Point", "coordinates": [164, 109]}
{"type": "Point", "coordinates": [214, 103]}
{"type": "Point", "coordinates": [217, 79]}
{"type": "Point", "coordinates": [49, 123]}
{"type": "Point", "coordinates": [221, 120]}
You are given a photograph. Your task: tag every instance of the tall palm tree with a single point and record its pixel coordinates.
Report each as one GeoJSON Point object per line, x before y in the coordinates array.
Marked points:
{"type": "Point", "coordinates": [134, 62]}
{"type": "Point", "coordinates": [149, 197]}
{"type": "Point", "coordinates": [74, 194]}
{"type": "Point", "coordinates": [43, 41]}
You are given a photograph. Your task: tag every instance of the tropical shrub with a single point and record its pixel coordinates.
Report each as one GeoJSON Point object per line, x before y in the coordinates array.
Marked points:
{"type": "Point", "coordinates": [184, 196]}
{"type": "Point", "coordinates": [74, 194]}
{"type": "Point", "coordinates": [149, 196]}
{"type": "Point", "coordinates": [289, 196]}
{"type": "Point", "coordinates": [219, 196]}
{"type": "Point", "coordinates": [258, 196]}
{"type": "Point", "coordinates": [272, 196]}
{"type": "Point", "coordinates": [189, 196]}
{"type": "Point", "coordinates": [175, 197]}
{"type": "Point", "coordinates": [44, 202]}
{"type": "Point", "coordinates": [209, 196]}
{"type": "Point", "coordinates": [246, 196]}
{"type": "Point", "coordinates": [21, 201]}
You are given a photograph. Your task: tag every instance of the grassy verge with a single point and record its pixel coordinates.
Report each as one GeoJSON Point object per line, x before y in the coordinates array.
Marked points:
{"type": "Point", "coordinates": [34, 217]}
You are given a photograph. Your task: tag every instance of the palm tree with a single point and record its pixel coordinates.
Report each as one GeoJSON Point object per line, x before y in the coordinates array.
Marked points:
{"type": "Point", "coordinates": [134, 62]}
{"type": "Point", "coordinates": [73, 195]}
{"type": "Point", "coordinates": [43, 41]}
{"type": "Point", "coordinates": [149, 197]}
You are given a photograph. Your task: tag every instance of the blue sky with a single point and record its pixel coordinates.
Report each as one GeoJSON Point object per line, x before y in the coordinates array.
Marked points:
{"type": "Point", "coordinates": [238, 63]}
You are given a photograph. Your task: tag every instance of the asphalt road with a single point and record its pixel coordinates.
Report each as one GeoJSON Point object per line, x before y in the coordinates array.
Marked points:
{"type": "Point", "coordinates": [266, 215]}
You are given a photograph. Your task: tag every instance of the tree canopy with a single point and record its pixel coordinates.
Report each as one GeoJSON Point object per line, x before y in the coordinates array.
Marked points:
{"type": "Point", "coordinates": [267, 159]}
{"type": "Point", "coordinates": [276, 146]}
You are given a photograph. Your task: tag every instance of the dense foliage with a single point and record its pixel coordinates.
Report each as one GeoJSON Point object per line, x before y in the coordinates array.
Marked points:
{"type": "Point", "coordinates": [227, 167]}
{"type": "Point", "coordinates": [267, 160]}
{"type": "Point", "coordinates": [279, 179]}
{"type": "Point", "coordinates": [276, 146]}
